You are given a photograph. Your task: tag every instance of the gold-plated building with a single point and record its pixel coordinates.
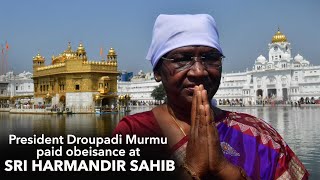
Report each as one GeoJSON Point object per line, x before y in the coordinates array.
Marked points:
{"type": "Point", "coordinates": [73, 82]}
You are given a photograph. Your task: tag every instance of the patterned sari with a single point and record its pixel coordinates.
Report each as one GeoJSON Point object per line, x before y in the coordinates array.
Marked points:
{"type": "Point", "coordinates": [246, 141]}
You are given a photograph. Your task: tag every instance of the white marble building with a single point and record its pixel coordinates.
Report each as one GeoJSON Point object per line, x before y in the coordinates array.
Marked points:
{"type": "Point", "coordinates": [139, 88]}
{"type": "Point", "coordinates": [282, 78]}
{"type": "Point", "coordinates": [18, 88]}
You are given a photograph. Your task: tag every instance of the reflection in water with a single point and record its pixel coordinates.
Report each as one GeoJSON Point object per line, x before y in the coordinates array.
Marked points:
{"type": "Point", "coordinates": [299, 126]}
{"type": "Point", "coordinates": [56, 125]}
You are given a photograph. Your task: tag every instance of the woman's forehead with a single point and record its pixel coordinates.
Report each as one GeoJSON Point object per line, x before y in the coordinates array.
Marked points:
{"type": "Point", "coordinates": [193, 48]}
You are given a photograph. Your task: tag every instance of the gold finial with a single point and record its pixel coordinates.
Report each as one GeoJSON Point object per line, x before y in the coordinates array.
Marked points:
{"type": "Point", "coordinates": [69, 45]}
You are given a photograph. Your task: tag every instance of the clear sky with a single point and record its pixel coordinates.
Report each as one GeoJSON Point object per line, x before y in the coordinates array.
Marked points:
{"type": "Point", "coordinates": [245, 27]}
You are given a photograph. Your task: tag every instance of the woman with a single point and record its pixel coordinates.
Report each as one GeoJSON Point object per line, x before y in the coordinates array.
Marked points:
{"type": "Point", "coordinates": [205, 141]}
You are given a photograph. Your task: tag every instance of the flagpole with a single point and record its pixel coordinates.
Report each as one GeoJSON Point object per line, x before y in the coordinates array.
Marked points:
{"type": "Point", "coordinates": [2, 60]}
{"type": "Point", "coordinates": [6, 58]}
{"type": "Point", "coordinates": [5, 62]}
{"type": "Point", "coordinates": [101, 54]}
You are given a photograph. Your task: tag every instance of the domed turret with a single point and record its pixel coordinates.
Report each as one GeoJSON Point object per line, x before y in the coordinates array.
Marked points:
{"type": "Point", "coordinates": [261, 59]}
{"type": "Point", "coordinates": [112, 55]}
{"type": "Point", "coordinates": [298, 58]}
{"type": "Point", "coordinates": [38, 61]}
{"type": "Point", "coordinates": [279, 37]}
{"type": "Point", "coordinates": [80, 48]}
{"type": "Point", "coordinates": [112, 52]}
{"type": "Point", "coordinates": [81, 52]}
{"type": "Point", "coordinates": [39, 57]}
{"type": "Point", "coordinates": [68, 53]}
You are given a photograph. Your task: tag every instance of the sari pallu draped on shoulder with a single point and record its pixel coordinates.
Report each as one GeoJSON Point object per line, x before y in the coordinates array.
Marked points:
{"type": "Point", "coordinates": [246, 141]}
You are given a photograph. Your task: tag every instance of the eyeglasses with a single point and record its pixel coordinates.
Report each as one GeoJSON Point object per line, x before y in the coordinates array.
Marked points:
{"type": "Point", "coordinates": [182, 61]}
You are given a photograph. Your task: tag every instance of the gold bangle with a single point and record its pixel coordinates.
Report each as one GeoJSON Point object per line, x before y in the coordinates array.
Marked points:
{"type": "Point", "coordinates": [191, 172]}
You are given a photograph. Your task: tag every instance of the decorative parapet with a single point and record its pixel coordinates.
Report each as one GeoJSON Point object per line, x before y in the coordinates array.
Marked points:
{"type": "Point", "coordinates": [51, 67]}
{"type": "Point", "coordinates": [108, 63]}
{"type": "Point", "coordinates": [100, 66]}
{"type": "Point", "coordinates": [74, 66]}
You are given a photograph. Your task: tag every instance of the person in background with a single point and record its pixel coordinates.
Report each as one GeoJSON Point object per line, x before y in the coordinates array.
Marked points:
{"type": "Point", "coordinates": [206, 142]}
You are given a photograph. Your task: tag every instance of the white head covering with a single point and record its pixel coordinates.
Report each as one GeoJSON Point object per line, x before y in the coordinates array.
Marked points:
{"type": "Point", "coordinates": [174, 31]}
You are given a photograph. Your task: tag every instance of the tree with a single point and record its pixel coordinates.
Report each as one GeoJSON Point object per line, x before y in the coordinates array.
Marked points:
{"type": "Point", "coordinates": [159, 93]}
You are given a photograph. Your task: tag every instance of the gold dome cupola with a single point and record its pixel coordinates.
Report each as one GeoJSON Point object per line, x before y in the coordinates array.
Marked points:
{"type": "Point", "coordinates": [112, 55]}
{"type": "Point", "coordinates": [279, 37]}
{"type": "Point", "coordinates": [38, 57]}
{"type": "Point", "coordinates": [68, 53]}
{"type": "Point", "coordinates": [38, 61]}
{"type": "Point", "coordinates": [81, 52]}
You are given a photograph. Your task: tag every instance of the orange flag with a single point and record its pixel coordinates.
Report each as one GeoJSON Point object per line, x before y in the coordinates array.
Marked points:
{"type": "Point", "coordinates": [7, 46]}
{"type": "Point", "coordinates": [101, 51]}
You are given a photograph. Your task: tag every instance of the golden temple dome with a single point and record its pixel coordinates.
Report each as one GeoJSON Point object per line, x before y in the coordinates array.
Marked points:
{"type": "Point", "coordinates": [279, 37]}
{"type": "Point", "coordinates": [111, 52]}
{"type": "Point", "coordinates": [38, 57]}
{"type": "Point", "coordinates": [81, 52]}
{"type": "Point", "coordinates": [69, 53]}
{"type": "Point", "coordinates": [80, 47]}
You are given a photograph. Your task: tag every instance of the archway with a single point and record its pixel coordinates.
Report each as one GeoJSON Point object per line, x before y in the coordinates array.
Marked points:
{"type": "Point", "coordinates": [259, 93]}
{"type": "Point", "coordinates": [105, 102]}
{"type": "Point", "coordinates": [272, 93]}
